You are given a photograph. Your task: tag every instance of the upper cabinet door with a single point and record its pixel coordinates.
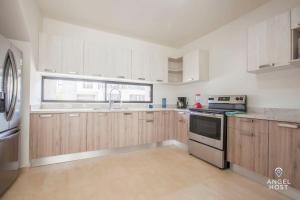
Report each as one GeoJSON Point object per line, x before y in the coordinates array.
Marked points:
{"type": "Point", "coordinates": [50, 49]}
{"type": "Point", "coordinates": [269, 43]}
{"type": "Point", "coordinates": [159, 67]}
{"type": "Point", "coordinates": [295, 17]}
{"type": "Point", "coordinates": [72, 56]}
{"type": "Point", "coordinates": [121, 62]}
{"type": "Point", "coordinates": [95, 59]}
{"type": "Point", "coordinates": [281, 40]}
{"type": "Point", "coordinates": [195, 66]}
{"type": "Point", "coordinates": [141, 64]}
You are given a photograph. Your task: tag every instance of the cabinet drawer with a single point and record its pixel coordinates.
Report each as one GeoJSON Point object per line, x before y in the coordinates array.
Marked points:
{"type": "Point", "coordinates": [250, 126]}
{"type": "Point", "coordinates": [149, 115]}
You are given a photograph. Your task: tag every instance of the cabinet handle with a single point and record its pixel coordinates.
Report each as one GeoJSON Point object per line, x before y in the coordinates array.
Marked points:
{"type": "Point", "coordinates": [49, 70]}
{"type": "Point", "coordinates": [181, 120]}
{"type": "Point", "coordinates": [46, 116]}
{"type": "Point", "coordinates": [266, 66]}
{"type": "Point", "coordinates": [149, 112]}
{"type": "Point", "coordinates": [120, 76]}
{"type": "Point", "coordinates": [191, 79]}
{"type": "Point", "coordinates": [102, 114]}
{"type": "Point", "coordinates": [73, 115]}
{"type": "Point", "coordinates": [127, 113]}
{"type": "Point", "coordinates": [247, 120]}
{"type": "Point", "coordinates": [73, 72]}
{"type": "Point", "coordinates": [142, 79]}
{"type": "Point", "coordinates": [159, 80]}
{"type": "Point", "coordinates": [149, 121]}
{"type": "Point", "coordinates": [294, 126]}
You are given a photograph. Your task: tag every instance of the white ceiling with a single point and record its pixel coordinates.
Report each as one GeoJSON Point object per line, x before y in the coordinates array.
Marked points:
{"type": "Point", "coordinates": [12, 23]}
{"type": "Point", "coordinates": [167, 22]}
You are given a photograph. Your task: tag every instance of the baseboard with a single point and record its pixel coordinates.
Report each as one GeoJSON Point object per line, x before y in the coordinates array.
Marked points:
{"type": "Point", "coordinates": [92, 154]}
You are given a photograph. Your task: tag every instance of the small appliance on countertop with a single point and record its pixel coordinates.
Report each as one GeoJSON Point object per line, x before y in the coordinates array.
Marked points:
{"type": "Point", "coordinates": [208, 128]}
{"type": "Point", "coordinates": [182, 102]}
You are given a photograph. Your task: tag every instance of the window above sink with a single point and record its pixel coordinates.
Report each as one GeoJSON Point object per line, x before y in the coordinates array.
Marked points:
{"type": "Point", "coordinates": [58, 89]}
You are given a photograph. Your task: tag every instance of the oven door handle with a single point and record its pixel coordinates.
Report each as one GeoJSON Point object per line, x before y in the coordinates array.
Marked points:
{"type": "Point", "coordinates": [207, 115]}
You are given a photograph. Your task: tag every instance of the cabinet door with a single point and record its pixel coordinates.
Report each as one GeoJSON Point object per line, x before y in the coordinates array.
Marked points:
{"type": "Point", "coordinates": [269, 43]}
{"type": "Point", "coordinates": [50, 49]}
{"type": "Point", "coordinates": [191, 66]}
{"type": "Point", "coordinates": [164, 125]}
{"type": "Point", "coordinates": [258, 41]}
{"type": "Point", "coordinates": [72, 56]}
{"type": "Point", "coordinates": [249, 144]}
{"type": "Point", "coordinates": [159, 67]}
{"type": "Point", "coordinates": [125, 129]}
{"type": "Point", "coordinates": [141, 65]}
{"type": "Point", "coordinates": [95, 59]}
{"type": "Point", "coordinates": [45, 135]}
{"type": "Point", "coordinates": [295, 18]}
{"type": "Point", "coordinates": [73, 133]}
{"type": "Point", "coordinates": [279, 36]}
{"type": "Point", "coordinates": [284, 151]}
{"type": "Point", "coordinates": [122, 62]}
{"type": "Point", "coordinates": [99, 131]}
{"type": "Point", "coordinates": [182, 127]}
{"type": "Point", "coordinates": [147, 133]}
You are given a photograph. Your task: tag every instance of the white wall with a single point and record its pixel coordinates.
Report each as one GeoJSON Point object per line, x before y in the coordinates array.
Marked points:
{"type": "Point", "coordinates": [228, 64]}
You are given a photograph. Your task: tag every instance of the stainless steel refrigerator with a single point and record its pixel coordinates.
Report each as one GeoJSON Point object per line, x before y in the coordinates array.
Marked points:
{"type": "Point", "coordinates": [10, 112]}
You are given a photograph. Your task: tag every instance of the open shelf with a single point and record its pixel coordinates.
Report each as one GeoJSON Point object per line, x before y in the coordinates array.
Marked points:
{"type": "Point", "coordinates": [175, 71]}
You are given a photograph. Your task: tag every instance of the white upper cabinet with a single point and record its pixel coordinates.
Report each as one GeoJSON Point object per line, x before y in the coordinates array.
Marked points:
{"type": "Point", "coordinates": [95, 59]}
{"type": "Point", "coordinates": [196, 66]}
{"type": "Point", "coordinates": [269, 44]}
{"type": "Point", "coordinates": [72, 56]}
{"type": "Point", "coordinates": [295, 18]}
{"type": "Point", "coordinates": [159, 67]}
{"type": "Point", "coordinates": [149, 65]}
{"type": "Point", "coordinates": [119, 62]}
{"type": "Point", "coordinates": [50, 49]}
{"type": "Point", "coordinates": [141, 64]}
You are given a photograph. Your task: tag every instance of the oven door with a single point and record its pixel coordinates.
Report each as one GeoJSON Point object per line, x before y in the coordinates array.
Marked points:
{"type": "Point", "coordinates": [207, 128]}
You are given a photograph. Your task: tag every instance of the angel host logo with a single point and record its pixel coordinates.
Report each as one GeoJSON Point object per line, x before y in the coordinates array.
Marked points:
{"type": "Point", "coordinates": [279, 183]}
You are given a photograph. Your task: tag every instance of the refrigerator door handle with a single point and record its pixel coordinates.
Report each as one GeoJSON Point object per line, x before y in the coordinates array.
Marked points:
{"type": "Point", "coordinates": [10, 105]}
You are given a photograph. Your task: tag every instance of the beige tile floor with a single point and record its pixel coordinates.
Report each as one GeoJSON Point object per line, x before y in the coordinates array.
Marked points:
{"type": "Point", "coordinates": [164, 173]}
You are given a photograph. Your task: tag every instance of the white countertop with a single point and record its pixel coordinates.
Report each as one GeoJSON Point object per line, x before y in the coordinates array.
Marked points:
{"type": "Point", "coordinates": [76, 110]}
{"type": "Point", "coordinates": [272, 117]}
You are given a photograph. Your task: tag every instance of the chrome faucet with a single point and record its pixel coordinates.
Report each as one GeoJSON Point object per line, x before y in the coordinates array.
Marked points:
{"type": "Point", "coordinates": [111, 102]}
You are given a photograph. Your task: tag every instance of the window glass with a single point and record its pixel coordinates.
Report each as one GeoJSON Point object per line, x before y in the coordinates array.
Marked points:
{"type": "Point", "coordinates": [56, 89]}
{"type": "Point", "coordinates": [129, 92]}
{"type": "Point", "coordinates": [73, 90]}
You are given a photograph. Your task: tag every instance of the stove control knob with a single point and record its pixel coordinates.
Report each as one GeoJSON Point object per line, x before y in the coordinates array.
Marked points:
{"type": "Point", "coordinates": [237, 98]}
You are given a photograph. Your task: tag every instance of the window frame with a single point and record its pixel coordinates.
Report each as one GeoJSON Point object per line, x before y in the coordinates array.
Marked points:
{"type": "Point", "coordinates": [93, 80]}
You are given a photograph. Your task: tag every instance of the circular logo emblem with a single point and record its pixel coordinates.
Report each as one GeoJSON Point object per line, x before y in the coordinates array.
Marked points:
{"type": "Point", "coordinates": [278, 172]}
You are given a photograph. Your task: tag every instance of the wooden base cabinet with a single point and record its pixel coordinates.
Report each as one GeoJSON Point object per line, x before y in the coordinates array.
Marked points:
{"type": "Point", "coordinates": [99, 131]}
{"type": "Point", "coordinates": [164, 125]}
{"type": "Point", "coordinates": [125, 129]}
{"type": "Point", "coordinates": [182, 122]}
{"type": "Point", "coordinates": [73, 132]}
{"type": "Point", "coordinates": [45, 135]}
{"type": "Point", "coordinates": [284, 151]}
{"type": "Point", "coordinates": [248, 144]}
